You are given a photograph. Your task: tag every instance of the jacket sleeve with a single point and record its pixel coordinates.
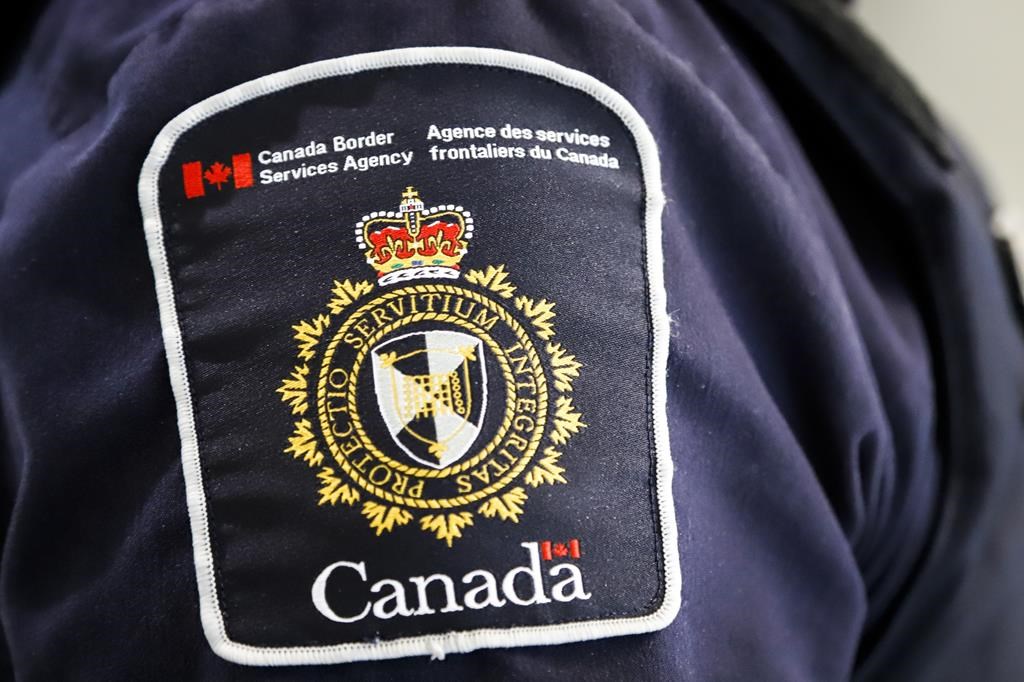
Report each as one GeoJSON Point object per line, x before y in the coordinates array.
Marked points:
{"type": "Point", "coordinates": [800, 402]}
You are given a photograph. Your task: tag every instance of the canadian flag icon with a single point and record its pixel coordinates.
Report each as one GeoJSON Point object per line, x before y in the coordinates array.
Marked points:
{"type": "Point", "coordinates": [550, 551]}
{"type": "Point", "coordinates": [196, 177]}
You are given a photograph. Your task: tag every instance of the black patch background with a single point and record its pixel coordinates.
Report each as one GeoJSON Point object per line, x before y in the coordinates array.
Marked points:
{"type": "Point", "coordinates": [247, 264]}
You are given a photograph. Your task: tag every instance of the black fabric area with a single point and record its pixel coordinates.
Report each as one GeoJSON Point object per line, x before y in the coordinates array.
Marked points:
{"type": "Point", "coordinates": [248, 263]}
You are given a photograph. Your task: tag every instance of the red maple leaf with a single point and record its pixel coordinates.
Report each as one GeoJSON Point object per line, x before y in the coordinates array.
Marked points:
{"type": "Point", "coordinates": [560, 550]}
{"type": "Point", "coordinates": [217, 174]}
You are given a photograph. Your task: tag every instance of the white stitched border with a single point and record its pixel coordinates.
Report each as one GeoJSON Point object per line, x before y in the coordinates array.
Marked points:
{"type": "Point", "coordinates": [449, 642]}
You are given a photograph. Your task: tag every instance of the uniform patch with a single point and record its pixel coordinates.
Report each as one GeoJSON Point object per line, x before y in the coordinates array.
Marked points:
{"type": "Point", "coordinates": [419, 362]}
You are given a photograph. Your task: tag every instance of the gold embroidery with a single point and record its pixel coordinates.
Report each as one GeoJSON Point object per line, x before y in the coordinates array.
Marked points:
{"type": "Point", "coordinates": [493, 278]}
{"type": "Point", "coordinates": [446, 527]}
{"type": "Point", "coordinates": [457, 439]}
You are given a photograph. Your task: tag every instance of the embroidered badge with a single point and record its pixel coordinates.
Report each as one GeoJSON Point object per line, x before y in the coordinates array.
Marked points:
{"type": "Point", "coordinates": [396, 378]}
{"type": "Point", "coordinates": [419, 361]}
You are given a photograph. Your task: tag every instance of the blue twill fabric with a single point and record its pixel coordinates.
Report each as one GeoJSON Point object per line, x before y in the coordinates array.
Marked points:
{"type": "Point", "coordinates": [846, 359]}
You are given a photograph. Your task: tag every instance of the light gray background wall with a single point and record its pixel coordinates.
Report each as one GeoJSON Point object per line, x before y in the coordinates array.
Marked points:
{"type": "Point", "coordinates": [967, 56]}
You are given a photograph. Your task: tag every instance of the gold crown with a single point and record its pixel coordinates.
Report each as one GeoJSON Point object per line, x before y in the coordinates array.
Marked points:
{"type": "Point", "coordinates": [413, 243]}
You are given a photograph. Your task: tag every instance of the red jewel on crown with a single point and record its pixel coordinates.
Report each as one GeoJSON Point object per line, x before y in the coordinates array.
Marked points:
{"type": "Point", "coordinates": [413, 242]}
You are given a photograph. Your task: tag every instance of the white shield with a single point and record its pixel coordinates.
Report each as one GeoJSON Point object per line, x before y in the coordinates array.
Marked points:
{"type": "Point", "coordinates": [432, 392]}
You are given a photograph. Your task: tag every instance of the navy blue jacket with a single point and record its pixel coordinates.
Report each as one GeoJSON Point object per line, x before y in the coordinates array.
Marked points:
{"type": "Point", "coordinates": [846, 365]}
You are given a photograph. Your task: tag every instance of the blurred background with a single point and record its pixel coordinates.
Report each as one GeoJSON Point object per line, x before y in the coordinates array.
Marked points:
{"type": "Point", "coordinates": [967, 56]}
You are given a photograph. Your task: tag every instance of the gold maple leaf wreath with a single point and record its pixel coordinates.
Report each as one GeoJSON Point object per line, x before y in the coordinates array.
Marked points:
{"type": "Point", "coordinates": [296, 391]}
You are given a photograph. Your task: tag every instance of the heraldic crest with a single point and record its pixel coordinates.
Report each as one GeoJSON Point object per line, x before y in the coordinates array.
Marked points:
{"type": "Point", "coordinates": [428, 396]}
